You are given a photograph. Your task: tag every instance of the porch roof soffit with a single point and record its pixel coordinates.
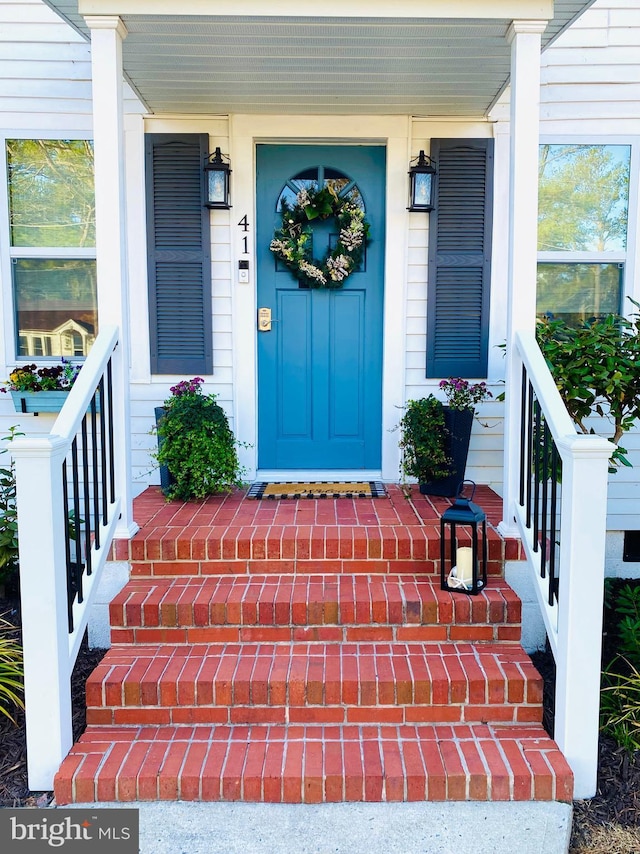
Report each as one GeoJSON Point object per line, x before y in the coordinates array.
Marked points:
{"type": "Point", "coordinates": [441, 58]}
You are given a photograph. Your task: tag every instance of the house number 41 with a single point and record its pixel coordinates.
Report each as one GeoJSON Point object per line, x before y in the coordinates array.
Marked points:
{"type": "Point", "coordinates": [244, 225]}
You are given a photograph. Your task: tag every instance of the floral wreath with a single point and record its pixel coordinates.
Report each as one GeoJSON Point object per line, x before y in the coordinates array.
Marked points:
{"type": "Point", "coordinates": [292, 242]}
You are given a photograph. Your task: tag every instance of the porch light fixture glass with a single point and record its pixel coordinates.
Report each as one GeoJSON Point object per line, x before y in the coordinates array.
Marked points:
{"type": "Point", "coordinates": [217, 182]}
{"type": "Point", "coordinates": [463, 568]}
{"type": "Point", "coordinates": [422, 171]}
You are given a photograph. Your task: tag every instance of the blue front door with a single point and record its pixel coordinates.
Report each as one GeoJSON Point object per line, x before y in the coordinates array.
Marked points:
{"type": "Point", "coordinates": [320, 366]}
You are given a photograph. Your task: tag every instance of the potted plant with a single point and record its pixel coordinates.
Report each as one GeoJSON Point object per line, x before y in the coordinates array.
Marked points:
{"type": "Point", "coordinates": [435, 437]}
{"type": "Point", "coordinates": [195, 444]}
{"type": "Point", "coordinates": [44, 389]}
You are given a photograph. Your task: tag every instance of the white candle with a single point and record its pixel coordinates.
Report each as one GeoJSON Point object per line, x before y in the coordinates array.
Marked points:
{"type": "Point", "coordinates": [464, 565]}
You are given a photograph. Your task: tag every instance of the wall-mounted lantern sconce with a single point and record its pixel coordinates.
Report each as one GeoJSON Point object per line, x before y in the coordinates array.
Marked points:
{"type": "Point", "coordinates": [422, 171]}
{"type": "Point", "coordinates": [217, 182]}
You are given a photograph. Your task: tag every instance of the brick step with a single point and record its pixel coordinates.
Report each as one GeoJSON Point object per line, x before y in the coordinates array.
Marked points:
{"type": "Point", "coordinates": [230, 534]}
{"type": "Point", "coordinates": [314, 764]}
{"type": "Point", "coordinates": [255, 608]}
{"type": "Point", "coordinates": [176, 550]}
{"type": "Point", "coordinates": [327, 683]}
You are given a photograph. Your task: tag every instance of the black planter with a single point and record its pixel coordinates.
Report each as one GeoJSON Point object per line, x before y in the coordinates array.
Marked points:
{"type": "Point", "coordinates": [166, 478]}
{"type": "Point", "coordinates": [458, 424]}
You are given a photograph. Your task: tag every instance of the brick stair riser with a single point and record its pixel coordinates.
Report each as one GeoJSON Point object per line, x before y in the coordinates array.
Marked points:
{"type": "Point", "coordinates": [295, 542]}
{"type": "Point", "coordinates": [188, 568]}
{"type": "Point", "coordinates": [333, 634]}
{"type": "Point", "coordinates": [172, 716]}
{"type": "Point", "coordinates": [314, 765]}
{"type": "Point", "coordinates": [326, 714]}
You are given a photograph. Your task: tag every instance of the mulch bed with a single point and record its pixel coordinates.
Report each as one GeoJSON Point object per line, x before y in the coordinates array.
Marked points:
{"type": "Point", "coordinates": [14, 790]}
{"type": "Point", "coordinates": [616, 804]}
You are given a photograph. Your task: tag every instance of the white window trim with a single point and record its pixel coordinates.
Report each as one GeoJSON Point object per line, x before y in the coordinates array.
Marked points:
{"type": "Point", "coordinates": [53, 252]}
{"type": "Point", "coordinates": [570, 257]}
{"type": "Point", "coordinates": [9, 252]}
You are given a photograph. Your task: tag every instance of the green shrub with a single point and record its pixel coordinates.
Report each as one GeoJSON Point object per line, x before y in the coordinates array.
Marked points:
{"type": "Point", "coordinates": [627, 605]}
{"type": "Point", "coordinates": [596, 367]}
{"type": "Point", "coordinates": [620, 704]}
{"type": "Point", "coordinates": [422, 440]}
{"type": "Point", "coordinates": [11, 671]}
{"type": "Point", "coordinates": [196, 444]}
{"type": "Point", "coordinates": [620, 696]}
{"type": "Point", "coordinates": [8, 515]}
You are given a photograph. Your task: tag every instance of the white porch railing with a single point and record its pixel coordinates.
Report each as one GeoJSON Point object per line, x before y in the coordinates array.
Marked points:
{"type": "Point", "coordinates": [561, 512]}
{"type": "Point", "coordinates": [67, 513]}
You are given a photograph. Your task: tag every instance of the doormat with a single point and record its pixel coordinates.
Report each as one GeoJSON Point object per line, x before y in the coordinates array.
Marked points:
{"type": "Point", "coordinates": [364, 489]}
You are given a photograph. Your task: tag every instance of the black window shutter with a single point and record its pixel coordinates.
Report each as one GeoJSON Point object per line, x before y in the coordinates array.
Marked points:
{"type": "Point", "coordinates": [460, 258]}
{"type": "Point", "coordinates": [179, 254]}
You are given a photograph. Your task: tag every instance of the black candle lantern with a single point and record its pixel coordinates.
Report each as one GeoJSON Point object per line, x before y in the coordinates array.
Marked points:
{"type": "Point", "coordinates": [466, 567]}
{"type": "Point", "coordinates": [422, 171]}
{"type": "Point", "coordinates": [217, 181]}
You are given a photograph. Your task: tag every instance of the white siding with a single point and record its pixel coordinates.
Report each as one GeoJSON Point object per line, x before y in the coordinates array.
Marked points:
{"type": "Point", "coordinates": [591, 74]}
{"type": "Point", "coordinates": [45, 68]}
{"type": "Point", "coordinates": [592, 71]}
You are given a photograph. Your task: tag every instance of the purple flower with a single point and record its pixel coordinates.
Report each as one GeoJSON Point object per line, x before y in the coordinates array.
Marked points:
{"type": "Point", "coordinates": [187, 387]}
{"type": "Point", "coordinates": [462, 395]}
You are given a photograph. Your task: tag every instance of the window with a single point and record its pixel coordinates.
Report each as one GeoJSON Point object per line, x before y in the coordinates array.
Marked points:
{"type": "Point", "coordinates": [52, 231]}
{"type": "Point", "coordinates": [582, 229]}
{"type": "Point", "coordinates": [315, 177]}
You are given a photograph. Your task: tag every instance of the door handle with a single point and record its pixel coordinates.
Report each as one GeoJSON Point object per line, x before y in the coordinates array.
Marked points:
{"type": "Point", "coordinates": [265, 320]}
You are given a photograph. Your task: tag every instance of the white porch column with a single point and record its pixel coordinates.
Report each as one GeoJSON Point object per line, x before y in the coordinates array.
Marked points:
{"type": "Point", "coordinates": [107, 34]}
{"type": "Point", "coordinates": [524, 37]}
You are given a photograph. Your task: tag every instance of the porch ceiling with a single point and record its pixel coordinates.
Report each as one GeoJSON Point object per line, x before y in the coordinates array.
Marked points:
{"type": "Point", "coordinates": [195, 64]}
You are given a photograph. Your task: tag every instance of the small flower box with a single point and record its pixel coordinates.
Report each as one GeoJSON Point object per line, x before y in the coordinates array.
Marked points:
{"type": "Point", "coordinates": [43, 401]}
{"type": "Point", "coordinates": [39, 401]}
{"type": "Point", "coordinates": [44, 389]}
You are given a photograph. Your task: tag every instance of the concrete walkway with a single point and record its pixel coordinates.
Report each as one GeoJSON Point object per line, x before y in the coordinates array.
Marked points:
{"type": "Point", "coordinates": [398, 828]}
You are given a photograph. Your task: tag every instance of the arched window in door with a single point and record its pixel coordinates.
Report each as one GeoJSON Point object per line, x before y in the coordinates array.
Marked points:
{"type": "Point", "coordinates": [316, 177]}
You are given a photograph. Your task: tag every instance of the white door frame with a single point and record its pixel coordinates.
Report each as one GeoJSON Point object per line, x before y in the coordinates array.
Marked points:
{"type": "Point", "coordinates": [394, 133]}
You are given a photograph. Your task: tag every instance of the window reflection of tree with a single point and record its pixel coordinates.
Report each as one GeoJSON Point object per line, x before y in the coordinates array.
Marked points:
{"type": "Point", "coordinates": [583, 208]}
{"type": "Point", "coordinates": [51, 192]}
{"type": "Point", "coordinates": [52, 205]}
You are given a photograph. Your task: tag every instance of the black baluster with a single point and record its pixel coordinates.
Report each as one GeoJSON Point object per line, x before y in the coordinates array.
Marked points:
{"type": "Point", "coordinates": [87, 495]}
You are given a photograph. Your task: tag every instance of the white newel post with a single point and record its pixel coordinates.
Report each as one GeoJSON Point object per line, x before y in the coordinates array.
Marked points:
{"type": "Point", "coordinates": [107, 34]}
{"type": "Point", "coordinates": [43, 592]}
{"type": "Point", "coordinates": [524, 37]}
{"type": "Point", "coordinates": [580, 595]}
